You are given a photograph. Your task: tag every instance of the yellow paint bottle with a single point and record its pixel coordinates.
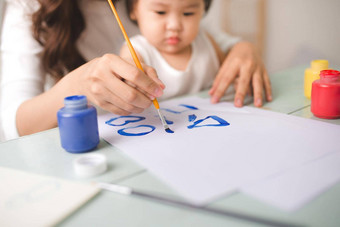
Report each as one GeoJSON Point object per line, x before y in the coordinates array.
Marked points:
{"type": "Point", "coordinates": [313, 73]}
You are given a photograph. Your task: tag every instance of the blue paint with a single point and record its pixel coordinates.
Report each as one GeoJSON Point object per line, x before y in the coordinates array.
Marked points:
{"type": "Point", "coordinates": [221, 122]}
{"type": "Point", "coordinates": [78, 125]}
{"type": "Point", "coordinates": [189, 107]}
{"type": "Point", "coordinates": [192, 117]}
{"type": "Point", "coordinates": [168, 121]}
{"type": "Point", "coordinates": [137, 119]}
{"type": "Point", "coordinates": [171, 111]}
{"type": "Point", "coordinates": [124, 133]}
{"type": "Point", "coordinates": [169, 130]}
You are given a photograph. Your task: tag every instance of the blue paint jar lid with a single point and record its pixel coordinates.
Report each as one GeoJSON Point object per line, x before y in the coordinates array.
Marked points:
{"type": "Point", "coordinates": [75, 102]}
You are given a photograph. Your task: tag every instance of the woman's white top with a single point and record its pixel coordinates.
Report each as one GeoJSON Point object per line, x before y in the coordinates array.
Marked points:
{"type": "Point", "coordinates": [22, 75]}
{"type": "Point", "coordinates": [198, 75]}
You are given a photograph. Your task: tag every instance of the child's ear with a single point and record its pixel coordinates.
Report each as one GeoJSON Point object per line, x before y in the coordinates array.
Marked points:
{"type": "Point", "coordinates": [133, 11]}
{"type": "Point", "coordinates": [133, 16]}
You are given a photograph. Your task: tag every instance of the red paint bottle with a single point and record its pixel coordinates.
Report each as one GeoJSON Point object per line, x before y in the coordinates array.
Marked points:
{"type": "Point", "coordinates": [326, 95]}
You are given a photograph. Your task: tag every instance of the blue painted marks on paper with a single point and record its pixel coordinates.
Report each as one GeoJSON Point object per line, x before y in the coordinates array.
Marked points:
{"type": "Point", "coordinates": [124, 131]}
{"type": "Point", "coordinates": [144, 129]}
{"type": "Point", "coordinates": [220, 122]}
{"type": "Point", "coordinates": [188, 107]}
{"type": "Point", "coordinates": [132, 119]}
{"type": "Point", "coordinates": [171, 111]}
{"type": "Point", "coordinates": [192, 117]}
{"type": "Point", "coordinates": [168, 130]}
{"type": "Point", "coordinates": [168, 121]}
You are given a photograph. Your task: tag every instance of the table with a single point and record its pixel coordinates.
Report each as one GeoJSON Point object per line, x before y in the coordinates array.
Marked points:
{"type": "Point", "coordinates": [41, 153]}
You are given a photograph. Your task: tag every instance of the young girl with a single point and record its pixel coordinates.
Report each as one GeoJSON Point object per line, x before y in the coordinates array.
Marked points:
{"type": "Point", "coordinates": [185, 57]}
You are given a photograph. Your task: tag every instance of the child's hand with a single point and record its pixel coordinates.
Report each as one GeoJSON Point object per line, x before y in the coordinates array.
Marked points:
{"type": "Point", "coordinates": [117, 85]}
{"type": "Point", "coordinates": [245, 65]}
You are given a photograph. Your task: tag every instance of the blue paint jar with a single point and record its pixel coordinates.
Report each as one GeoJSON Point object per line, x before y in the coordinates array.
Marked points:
{"type": "Point", "coordinates": [78, 125]}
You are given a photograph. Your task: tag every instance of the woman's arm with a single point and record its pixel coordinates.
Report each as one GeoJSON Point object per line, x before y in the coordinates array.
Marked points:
{"type": "Point", "coordinates": [105, 82]}
{"type": "Point", "coordinates": [28, 108]}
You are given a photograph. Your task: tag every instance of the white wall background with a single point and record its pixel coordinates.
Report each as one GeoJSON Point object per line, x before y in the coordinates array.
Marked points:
{"type": "Point", "coordinates": [2, 138]}
{"type": "Point", "coordinates": [295, 31]}
{"type": "Point", "coordinates": [298, 31]}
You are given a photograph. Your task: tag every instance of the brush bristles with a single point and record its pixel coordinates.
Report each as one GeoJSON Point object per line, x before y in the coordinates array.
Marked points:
{"type": "Point", "coordinates": [165, 125]}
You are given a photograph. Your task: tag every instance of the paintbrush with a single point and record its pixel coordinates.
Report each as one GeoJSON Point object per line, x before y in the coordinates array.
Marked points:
{"type": "Point", "coordinates": [226, 213]}
{"type": "Point", "coordinates": [138, 64]}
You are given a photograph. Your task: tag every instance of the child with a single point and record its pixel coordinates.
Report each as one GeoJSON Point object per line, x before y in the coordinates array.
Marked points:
{"type": "Point", "coordinates": [185, 57]}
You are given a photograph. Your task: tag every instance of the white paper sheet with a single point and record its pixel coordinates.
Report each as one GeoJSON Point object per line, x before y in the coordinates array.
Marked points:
{"type": "Point", "coordinates": [294, 188]}
{"type": "Point", "coordinates": [206, 162]}
{"type": "Point", "coordinates": [34, 200]}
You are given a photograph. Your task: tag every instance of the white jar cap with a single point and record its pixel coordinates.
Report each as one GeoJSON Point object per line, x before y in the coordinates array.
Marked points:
{"type": "Point", "coordinates": [90, 165]}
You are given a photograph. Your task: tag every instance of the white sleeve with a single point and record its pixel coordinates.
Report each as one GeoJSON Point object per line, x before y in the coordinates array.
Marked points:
{"type": "Point", "coordinates": [22, 76]}
{"type": "Point", "coordinates": [212, 23]}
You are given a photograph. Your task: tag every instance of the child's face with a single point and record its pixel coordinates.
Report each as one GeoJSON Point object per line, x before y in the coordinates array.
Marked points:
{"type": "Point", "coordinates": [169, 25]}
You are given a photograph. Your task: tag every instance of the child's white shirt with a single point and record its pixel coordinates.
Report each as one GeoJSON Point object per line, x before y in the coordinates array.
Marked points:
{"type": "Point", "coordinates": [198, 75]}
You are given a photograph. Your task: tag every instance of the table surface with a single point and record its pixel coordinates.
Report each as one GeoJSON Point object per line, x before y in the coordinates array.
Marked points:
{"type": "Point", "coordinates": [41, 153]}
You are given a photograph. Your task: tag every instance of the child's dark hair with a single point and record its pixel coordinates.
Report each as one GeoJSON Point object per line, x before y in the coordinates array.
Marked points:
{"type": "Point", "coordinates": [130, 4]}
